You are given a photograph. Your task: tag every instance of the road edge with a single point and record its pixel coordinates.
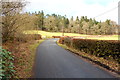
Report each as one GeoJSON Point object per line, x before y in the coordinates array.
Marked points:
{"type": "Point", "coordinates": [96, 63]}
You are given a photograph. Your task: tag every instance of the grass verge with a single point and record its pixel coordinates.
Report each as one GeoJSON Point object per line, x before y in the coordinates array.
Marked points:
{"type": "Point", "coordinates": [111, 66]}
{"type": "Point", "coordinates": [26, 60]}
{"type": "Point", "coordinates": [32, 49]}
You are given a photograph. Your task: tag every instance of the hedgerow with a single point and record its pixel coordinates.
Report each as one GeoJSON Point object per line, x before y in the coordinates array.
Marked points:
{"type": "Point", "coordinates": [6, 64]}
{"type": "Point", "coordinates": [99, 48]}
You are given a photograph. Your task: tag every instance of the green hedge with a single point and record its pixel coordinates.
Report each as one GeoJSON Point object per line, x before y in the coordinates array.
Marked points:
{"type": "Point", "coordinates": [100, 48]}
{"type": "Point", "coordinates": [6, 64]}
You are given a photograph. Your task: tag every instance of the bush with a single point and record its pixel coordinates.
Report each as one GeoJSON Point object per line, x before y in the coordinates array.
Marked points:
{"type": "Point", "coordinates": [61, 40]}
{"type": "Point", "coordinates": [6, 64]}
{"type": "Point", "coordinates": [100, 48]}
{"type": "Point", "coordinates": [36, 36]}
{"type": "Point", "coordinates": [56, 36]}
{"type": "Point", "coordinates": [28, 37]}
{"type": "Point", "coordinates": [68, 41]}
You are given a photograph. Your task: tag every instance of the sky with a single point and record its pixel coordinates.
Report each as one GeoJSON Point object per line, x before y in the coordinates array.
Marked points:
{"type": "Point", "coordinates": [89, 8]}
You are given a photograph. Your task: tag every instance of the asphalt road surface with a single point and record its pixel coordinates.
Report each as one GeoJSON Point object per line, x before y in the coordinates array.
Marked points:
{"type": "Point", "coordinates": [53, 61]}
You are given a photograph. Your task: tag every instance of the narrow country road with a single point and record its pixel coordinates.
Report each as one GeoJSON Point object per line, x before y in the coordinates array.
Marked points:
{"type": "Point", "coordinates": [53, 61]}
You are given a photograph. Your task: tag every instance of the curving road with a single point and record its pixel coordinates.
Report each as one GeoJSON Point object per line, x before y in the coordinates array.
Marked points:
{"type": "Point", "coordinates": [53, 61]}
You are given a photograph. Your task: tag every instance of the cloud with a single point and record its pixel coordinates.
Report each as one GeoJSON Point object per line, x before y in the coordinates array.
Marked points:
{"type": "Point", "coordinates": [102, 2]}
{"type": "Point", "coordinates": [90, 8]}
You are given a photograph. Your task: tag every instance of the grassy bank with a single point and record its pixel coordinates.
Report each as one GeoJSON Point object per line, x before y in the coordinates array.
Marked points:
{"type": "Point", "coordinates": [24, 55]}
{"type": "Point", "coordinates": [50, 34]}
{"type": "Point", "coordinates": [26, 60]}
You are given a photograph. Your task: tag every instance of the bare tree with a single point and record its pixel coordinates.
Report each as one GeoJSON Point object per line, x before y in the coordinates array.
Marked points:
{"type": "Point", "coordinates": [10, 17]}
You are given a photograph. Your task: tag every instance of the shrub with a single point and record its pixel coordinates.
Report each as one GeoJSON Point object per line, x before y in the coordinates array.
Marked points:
{"type": "Point", "coordinates": [68, 41]}
{"type": "Point", "coordinates": [28, 37]}
{"type": "Point", "coordinates": [36, 36]}
{"type": "Point", "coordinates": [56, 36]}
{"type": "Point", "coordinates": [100, 48]}
{"type": "Point", "coordinates": [6, 64]}
{"type": "Point", "coordinates": [61, 40]}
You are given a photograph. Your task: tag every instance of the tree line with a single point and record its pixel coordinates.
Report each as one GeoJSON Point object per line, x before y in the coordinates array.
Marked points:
{"type": "Point", "coordinates": [83, 25]}
{"type": "Point", "coordinates": [14, 22]}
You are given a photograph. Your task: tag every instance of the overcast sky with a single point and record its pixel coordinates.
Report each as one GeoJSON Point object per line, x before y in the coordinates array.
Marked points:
{"type": "Point", "coordinates": [90, 8]}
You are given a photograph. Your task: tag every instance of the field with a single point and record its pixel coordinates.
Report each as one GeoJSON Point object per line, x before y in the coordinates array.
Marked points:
{"type": "Point", "coordinates": [50, 34]}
